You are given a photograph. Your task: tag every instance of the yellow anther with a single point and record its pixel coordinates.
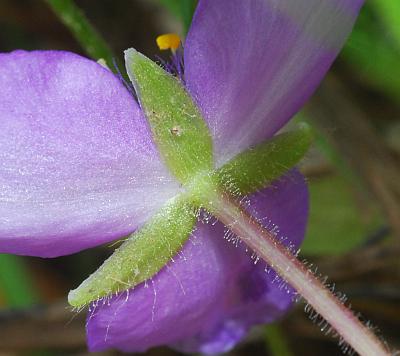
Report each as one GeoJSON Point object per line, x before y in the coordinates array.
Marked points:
{"type": "Point", "coordinates": [168, 41]}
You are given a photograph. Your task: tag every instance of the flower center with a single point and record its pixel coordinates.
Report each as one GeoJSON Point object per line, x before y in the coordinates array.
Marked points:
{"type": "Point", "coordinates": [174, 65]}
{"type": "Point", "coordinates": [168, 41]}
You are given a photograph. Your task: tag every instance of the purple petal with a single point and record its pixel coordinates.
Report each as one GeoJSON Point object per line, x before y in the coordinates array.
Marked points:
{"type": "Point", "coordinates": [77, 163]}
{"type": "Point", "coordinates": [211, 294]}
{"type": "Point", "coordinates": [251, 65]}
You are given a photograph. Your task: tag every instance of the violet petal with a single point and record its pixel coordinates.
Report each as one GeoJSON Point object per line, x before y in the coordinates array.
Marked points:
{"type": "Point", "coordinates": [77, 163]}
{"type": "Point", "coordinates": [251, 65]}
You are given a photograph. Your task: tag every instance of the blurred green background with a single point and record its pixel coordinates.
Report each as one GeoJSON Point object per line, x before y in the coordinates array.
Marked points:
{"type": "Point", "coordinates": [353, 172]}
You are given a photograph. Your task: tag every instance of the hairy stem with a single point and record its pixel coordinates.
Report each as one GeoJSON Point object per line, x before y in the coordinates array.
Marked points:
{"type": "Point", "coordinates": [324, 302]}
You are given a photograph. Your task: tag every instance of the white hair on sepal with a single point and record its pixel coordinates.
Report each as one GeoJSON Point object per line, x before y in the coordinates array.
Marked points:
{"type": "Point", "coordinates": [153, 308]}
{"type": "Point", "coordinates": [182, 288]}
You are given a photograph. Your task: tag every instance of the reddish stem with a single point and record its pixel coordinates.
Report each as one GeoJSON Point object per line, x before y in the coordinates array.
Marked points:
{"type": "Point", "coordinates": [324, 302]}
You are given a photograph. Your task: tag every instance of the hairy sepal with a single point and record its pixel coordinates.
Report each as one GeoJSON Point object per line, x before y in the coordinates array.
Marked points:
{"type": "Point", "coordinates": [141, 256]}
{"type": "Point", "coordinates": [258, 166]}
{"type": "Point", "coordinates": [178, 128]}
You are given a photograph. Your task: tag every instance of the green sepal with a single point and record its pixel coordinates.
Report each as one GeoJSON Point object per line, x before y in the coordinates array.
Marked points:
{"type": "Point", "coordinates": [141, 256]}
{"type": "Point", "coordinates": [178, 128]}
{"type": "Point", "coordinates": [256, 167]}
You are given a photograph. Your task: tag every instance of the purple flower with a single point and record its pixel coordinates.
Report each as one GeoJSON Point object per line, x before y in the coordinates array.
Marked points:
{"type": "Point", "coordinates": [78, 166]}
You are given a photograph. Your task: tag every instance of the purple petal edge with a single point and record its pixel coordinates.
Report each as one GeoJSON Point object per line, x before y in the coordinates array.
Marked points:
{"type": "Point", "coordinates": [251, 65]}
{"type": "Point", "coordinates": [77, 163]}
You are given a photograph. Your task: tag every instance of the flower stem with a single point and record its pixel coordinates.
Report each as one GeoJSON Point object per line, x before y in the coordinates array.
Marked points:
{"type": "Point", "coordinates": [324, 302]}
